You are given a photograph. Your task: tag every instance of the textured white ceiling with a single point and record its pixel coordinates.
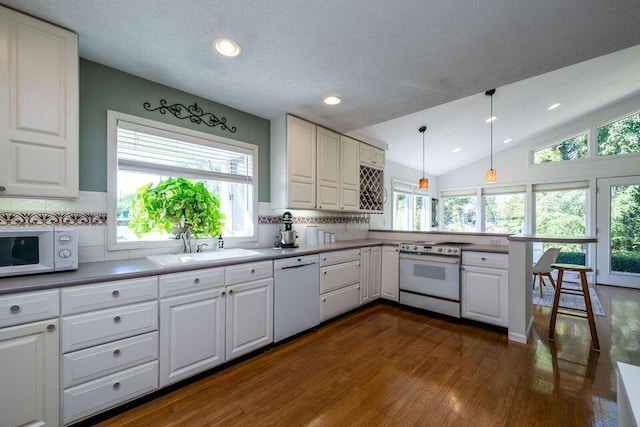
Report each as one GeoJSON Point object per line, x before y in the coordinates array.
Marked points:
{"type": "Point", "coordinates": [386, 59]}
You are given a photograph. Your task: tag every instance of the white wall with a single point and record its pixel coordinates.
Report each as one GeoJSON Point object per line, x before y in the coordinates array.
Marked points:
{"type": "Point", "coordinates": [513, 164]}
{"type": "Point", "coordinates": [396, 171]}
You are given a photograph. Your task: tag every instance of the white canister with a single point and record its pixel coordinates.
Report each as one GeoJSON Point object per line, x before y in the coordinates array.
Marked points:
{"type": "Point", "coordinates": [333, 237]}
{"type": "Point", "coordinates": [320, 236]}
{"type": "Point", "coordinates": [311, 235]}
{"type": "Point", "coordinates": [327, 237]}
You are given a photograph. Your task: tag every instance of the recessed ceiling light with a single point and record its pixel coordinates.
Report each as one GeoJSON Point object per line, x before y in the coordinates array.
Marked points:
{"type": "Point", "coordinates": [332, 100]}
{"type": "Point", "coordinates": [491, 119]}
{"type": "Point", "coordinates": [554, 106]}
{"type": "Point", "coordinates": [508, 140]}
{"type": "Point", "coordinates": [227, 47]}
{"type": "Point", "coordinates": [456, 150]}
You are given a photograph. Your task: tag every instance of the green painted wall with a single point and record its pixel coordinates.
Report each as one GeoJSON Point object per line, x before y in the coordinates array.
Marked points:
{"type": "Point", "coordinates": [103, 88]}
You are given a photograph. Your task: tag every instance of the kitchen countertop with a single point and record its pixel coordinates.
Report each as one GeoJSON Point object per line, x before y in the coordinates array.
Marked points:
{"type": "Point", "coordinates": [527, 237]}
{"type": "Point", "coordinates": [93, 272]}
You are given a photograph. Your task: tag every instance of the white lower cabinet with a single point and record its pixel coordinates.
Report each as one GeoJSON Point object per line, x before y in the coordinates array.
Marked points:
{"type": "Point", "coordinates": [109, 354]}
{"type": "Point", "coordinates": [485, 290]}
{"type": "Point", "coordinates": [249, 317]}
{"type": "Point", "coordinates": [192, 331]}
{"type": "Point", "coordinates": [370, 274]}
{"type": "Point", "coordinates": [29, 359]}
{"type": "Point", "coordinates": [339, 301]}
{"type": "Point", "coordinates": [105, 392]}
{"type": "Point", "coordinates": [340, 275]}
{"type": "Point", "coordinates": [201, 330]}
{"type": "Point", "coordinates": [390, 278]}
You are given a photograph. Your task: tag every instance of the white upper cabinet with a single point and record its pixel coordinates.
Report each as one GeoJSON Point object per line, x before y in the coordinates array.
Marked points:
{"type": "Point", "coordinates": [293, 163]}
{"type": "Point", "coordinates": [38, 109]}
{"type": "Point", "coordinates": [349, 174]}
{"type": "Point", "coordinates": [371, 156]}
{"type": "Point", "coordinates": [328, 182]}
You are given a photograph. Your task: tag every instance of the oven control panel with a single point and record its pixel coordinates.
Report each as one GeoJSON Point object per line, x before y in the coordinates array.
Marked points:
{"type": "Point", "coordinates": [418, 248]}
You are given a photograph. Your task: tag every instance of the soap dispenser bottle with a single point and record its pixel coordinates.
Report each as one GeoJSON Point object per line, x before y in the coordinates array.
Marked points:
{"type": "Point", "coordinates": [220, 242]}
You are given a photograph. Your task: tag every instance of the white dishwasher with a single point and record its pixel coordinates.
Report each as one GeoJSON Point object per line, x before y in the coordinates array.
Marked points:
{"type": "Point", "coordinates": [296, 292]}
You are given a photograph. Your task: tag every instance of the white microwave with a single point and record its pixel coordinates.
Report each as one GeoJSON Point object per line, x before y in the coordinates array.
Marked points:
{"type": "Point", "coordinates": [31, 250]}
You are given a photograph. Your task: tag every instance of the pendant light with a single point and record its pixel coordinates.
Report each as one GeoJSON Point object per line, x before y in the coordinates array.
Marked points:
{"type": "Point", "coordinates": [424, 182]}
{"type": "Point", "coordinates": [491, 173]}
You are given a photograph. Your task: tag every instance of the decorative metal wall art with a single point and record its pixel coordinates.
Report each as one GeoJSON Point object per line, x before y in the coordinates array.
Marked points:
{"type": "Point", "coordinates": [194, 113]}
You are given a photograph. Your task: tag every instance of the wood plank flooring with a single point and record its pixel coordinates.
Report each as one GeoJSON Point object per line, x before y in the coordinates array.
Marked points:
{"type": "Point", "coordinates": [387, 366]}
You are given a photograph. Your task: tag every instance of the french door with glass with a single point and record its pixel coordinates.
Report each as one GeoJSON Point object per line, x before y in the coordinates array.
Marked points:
{"type": "Point", "coordinates": [618, 221]}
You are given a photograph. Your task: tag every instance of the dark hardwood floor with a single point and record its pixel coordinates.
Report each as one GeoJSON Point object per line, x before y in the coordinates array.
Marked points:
{"type": "Point", "coordinates": [387, 366]}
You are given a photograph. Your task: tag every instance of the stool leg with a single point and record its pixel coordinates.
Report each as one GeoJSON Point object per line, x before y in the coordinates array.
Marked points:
{"type": "Point", "coordinates": [554, 310]}
{"type": "Point", "coordinates": [587, 302]}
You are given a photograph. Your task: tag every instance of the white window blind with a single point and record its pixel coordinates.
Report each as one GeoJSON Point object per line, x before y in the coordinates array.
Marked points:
{"type": "Point", "coordinates": [514, 189]}
{"type": "Point", "coordinates": [560, 186]}
{"type": "Point", "coordinates": [157, 151]}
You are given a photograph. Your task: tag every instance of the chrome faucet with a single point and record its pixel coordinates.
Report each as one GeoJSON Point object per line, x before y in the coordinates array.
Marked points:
{"type": "Point", "coordinates": [186, 239]}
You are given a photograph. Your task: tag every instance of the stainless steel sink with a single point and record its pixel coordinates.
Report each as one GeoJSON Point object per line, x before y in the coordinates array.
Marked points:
{"type": "Point", "coordinates": [194, 258]}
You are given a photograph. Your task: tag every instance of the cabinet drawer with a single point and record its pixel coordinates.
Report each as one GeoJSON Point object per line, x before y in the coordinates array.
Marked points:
{"type": "Point", "coordinates": [85, 330]}
{"type": "Point", "coordinates": [108, 294]}
{"type": "Point", "coordinates": [86, 365]}
{"type": "Point", "coordinates": [249, 272]}
{"type": "Point", "coordinates": [340, 301]}
{"type": "Point", "coordinates": [330, 258]}
{"type": "Point", "coordinates": [28, 307]}
{"type": "Point", "coordinates": [339, 276]}
{"type": "Point", "coordinates": [103, 393]}
{"type": "Point", "coordinates": [192, 281]}
{"type": "Point", "coordinates": [485, 259]}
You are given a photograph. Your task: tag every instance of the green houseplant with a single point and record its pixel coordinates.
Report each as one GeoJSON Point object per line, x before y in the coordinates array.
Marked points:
{"type": "Point", "coordinates": [176, 205]}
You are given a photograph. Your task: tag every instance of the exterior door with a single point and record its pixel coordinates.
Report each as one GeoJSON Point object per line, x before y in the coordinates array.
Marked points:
{"type": "Point", "coordinates": [618, 220]}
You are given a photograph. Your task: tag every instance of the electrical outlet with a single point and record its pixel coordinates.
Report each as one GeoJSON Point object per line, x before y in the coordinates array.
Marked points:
{"type": "Point", "coordinates": [494, 242]}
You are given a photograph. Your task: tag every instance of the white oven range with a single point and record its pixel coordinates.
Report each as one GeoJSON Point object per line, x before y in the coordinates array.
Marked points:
{"type": "Point", "coordinates": [430, 276]}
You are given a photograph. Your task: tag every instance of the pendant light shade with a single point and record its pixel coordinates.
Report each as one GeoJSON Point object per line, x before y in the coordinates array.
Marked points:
{"type": "Point", "coordinates": [491, 173]}
{"type": "Point", "coordinates": [423, 184]}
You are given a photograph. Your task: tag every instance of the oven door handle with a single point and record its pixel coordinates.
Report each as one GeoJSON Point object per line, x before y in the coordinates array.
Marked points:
{"type": "Point", "coordinates": [430, 258]}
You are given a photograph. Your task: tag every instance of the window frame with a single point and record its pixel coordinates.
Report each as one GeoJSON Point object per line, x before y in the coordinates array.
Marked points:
{"type": "Point", "coordinates": [469, 192]}
{"type": "Point", "coordinates": [502, 191]}
{"type": "Point", "coordinates": [589, 155]}
{"type": "Point", "coordinates": [608, 122]}
{"type": "Point", "coordinates": [402, 187]}
{"type": "Point", "coordinates": [113, 117]}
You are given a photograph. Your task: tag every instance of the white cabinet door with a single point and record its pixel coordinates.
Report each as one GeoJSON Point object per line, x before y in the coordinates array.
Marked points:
{"type": "Point", "coordinates": [249, 317]}
{"type": "Point", "coordinates": [192, 334]}
{"type": "Point", "coordinates": [349, 174]}
{"type": "Point", "coordinates": [301, 163]}
{"type": "Point", "coordinates": [39, 108]}
{"type": "Point", "coordinates": [378, 157]}
{"type": "Point", "coordinates": [390, 276]}
{"type": "Point", "coordinates": [328, 180]}
{"type": "Point", "coordinates": [375, 273]}
{"type": "Point", "coordinates": [339, 301]}
{"type": "Point", "coordinates": [29, 357]}
{"type": "Point", "coordinates": [365, 275]}
{"type": "Point", "coordinates": [485, 295]}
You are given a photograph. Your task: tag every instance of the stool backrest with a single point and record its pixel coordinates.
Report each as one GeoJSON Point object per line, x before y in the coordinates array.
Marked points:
{"type": "Point", "coordinates": [544, 263]}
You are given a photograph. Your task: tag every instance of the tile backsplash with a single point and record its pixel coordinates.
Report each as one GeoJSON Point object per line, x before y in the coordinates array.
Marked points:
{"type": "Point", "coordinates": [88, 213]}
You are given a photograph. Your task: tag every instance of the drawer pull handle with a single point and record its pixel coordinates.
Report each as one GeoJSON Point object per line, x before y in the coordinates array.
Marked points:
{"type": "Point", "coordinates": [253, 270]}
{"type": "Point", "coordinates": [117, 319]}
{"type": "Point", "coordinates": [15, 309]}
{"type": "Point", "coordinates": [3, 188]}
{"type": "Point", "coordinates": [196, 280]}
{"type": "Point", "coordinates": [116, 352]}
{"type": "Point", "coordinates": [230, 291]}
{"type": "Point", "coordinates": [115, 293]}
{"type": "Point", "coordinates": [483, 258]}
{"type": "Point", "coordinates": [116, 386]}
{"type": "Point", "coordinates": [324, 272]}
{"type": "Point", "coordinates": [222, 294]}
{"type": "Point", "coordinates": [51, 327]}
{"type": "Point", "coordinates": [324, 258]}
{"type": "Point", "coordinates": [324, 300]}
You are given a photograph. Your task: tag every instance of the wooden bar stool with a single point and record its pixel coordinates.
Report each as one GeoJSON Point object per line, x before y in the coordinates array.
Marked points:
{"type": "Point", "coordinates": [587, 300]}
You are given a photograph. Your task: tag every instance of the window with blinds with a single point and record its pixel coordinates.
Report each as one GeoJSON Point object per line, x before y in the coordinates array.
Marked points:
{"type": "Point", "coordinates": [143, 152]}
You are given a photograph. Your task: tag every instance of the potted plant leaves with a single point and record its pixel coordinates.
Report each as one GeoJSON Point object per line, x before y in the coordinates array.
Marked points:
{"type": "Point", "coordinates": [176, 205]}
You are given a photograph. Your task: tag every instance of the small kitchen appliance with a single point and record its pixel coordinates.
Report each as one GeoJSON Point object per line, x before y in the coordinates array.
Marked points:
{"type": "Point", "coordinates": [287, 236]}
{"type": "Point", "coordinates": [30, 250]}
